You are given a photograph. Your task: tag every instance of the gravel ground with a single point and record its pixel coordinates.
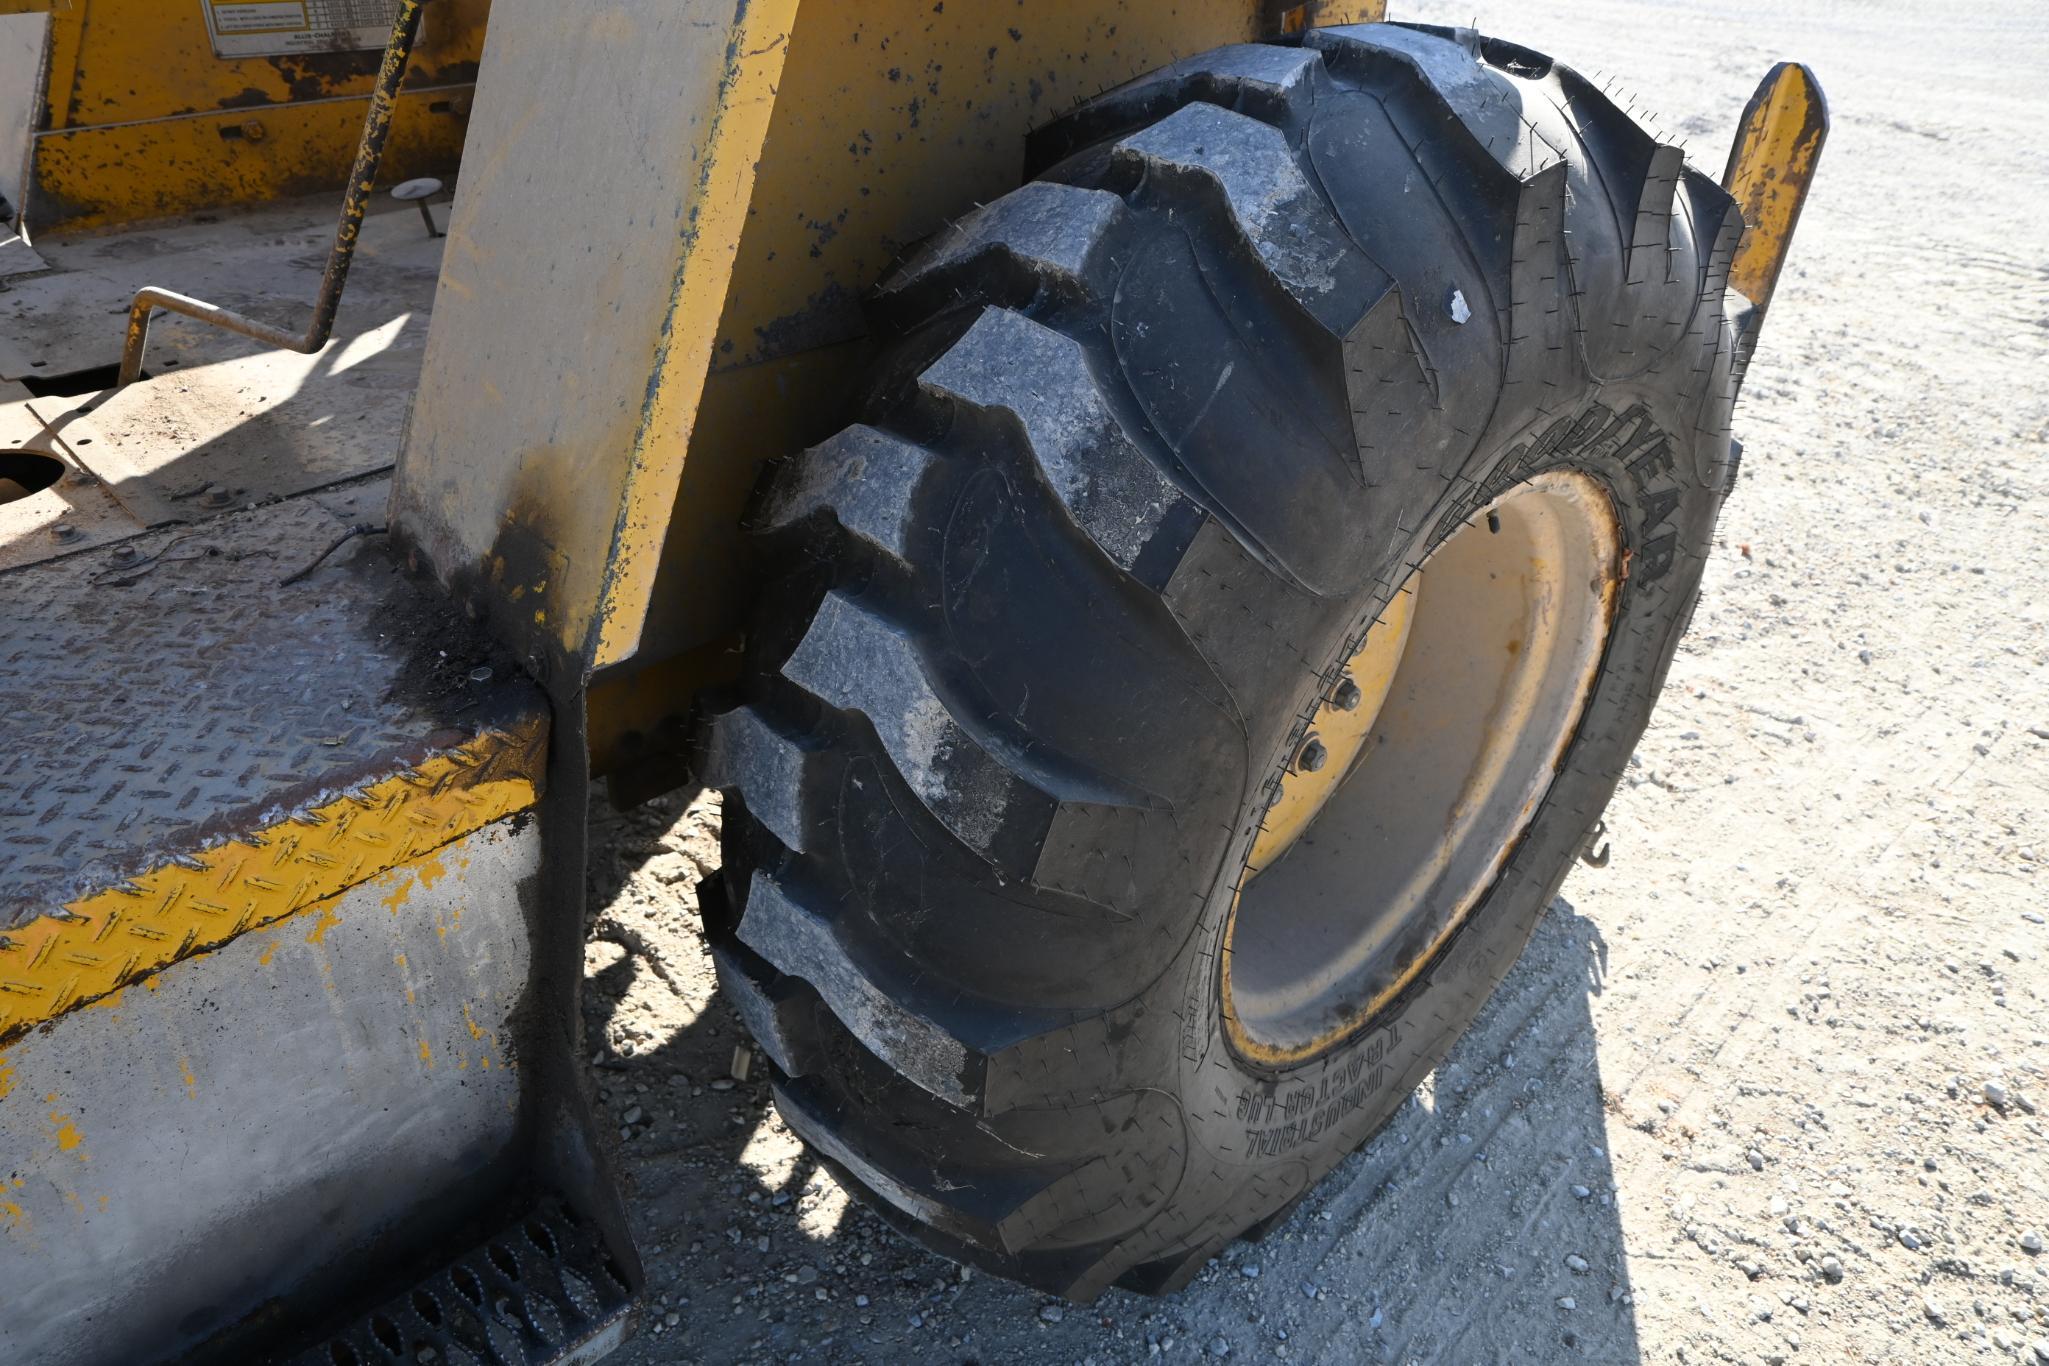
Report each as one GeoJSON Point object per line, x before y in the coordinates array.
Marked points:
{"type": "Point", "coordinates": [1765, 1088]}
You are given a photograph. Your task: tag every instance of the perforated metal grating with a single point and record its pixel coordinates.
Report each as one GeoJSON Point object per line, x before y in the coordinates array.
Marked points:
{"type": "Point", "coordinates": [539, 1291]}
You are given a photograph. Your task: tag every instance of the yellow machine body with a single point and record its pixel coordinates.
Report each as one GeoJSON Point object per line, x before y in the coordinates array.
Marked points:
{"type": "Point", "coordinates": [809, 147]}
{"type": "Point", "coordinates": [143, 117]}
{"type": "Point", "coordinates": [245, 734]}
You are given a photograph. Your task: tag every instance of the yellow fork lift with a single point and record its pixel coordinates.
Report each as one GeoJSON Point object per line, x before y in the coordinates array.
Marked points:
{"type": "Point", "coordinates": [1164, 522]}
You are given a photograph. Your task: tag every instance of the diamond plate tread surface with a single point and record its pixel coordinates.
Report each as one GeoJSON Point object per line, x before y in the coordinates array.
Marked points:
{"type": "Point", "coordinates": [192, 748]}
{"type": "Point", "coordinates": [537, 1292]}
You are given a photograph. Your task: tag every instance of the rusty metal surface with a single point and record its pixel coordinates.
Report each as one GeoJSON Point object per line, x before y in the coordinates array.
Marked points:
{"type": "Point", "coordinates": [165, 694]}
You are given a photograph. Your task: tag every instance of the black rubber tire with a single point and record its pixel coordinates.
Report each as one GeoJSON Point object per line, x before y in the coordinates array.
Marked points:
{"type": "Point", "coordinates": [1163, 431]}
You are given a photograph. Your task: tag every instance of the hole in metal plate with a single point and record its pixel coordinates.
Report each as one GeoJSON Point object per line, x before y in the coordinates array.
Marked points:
{"type": "Point", "coordinates": [23, 473]}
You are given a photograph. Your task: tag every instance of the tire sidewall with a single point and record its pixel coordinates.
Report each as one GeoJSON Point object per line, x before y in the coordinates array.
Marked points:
{"type": "Point", "coordinates": [1263, 1135]}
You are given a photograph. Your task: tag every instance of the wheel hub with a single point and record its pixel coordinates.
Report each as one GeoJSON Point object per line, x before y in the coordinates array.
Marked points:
{"type": "Point", "coordinates": [1421, 768]}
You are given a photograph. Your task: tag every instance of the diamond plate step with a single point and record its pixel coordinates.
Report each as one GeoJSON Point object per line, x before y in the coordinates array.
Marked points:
{"type": "Point", "coordinates": [542, 1290]}
{"type": "Point", "coordinates": [199, 741]}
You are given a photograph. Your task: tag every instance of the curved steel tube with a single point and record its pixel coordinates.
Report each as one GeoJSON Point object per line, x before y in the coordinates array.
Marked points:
{"type": "Point", "coordinates": [362, 177]}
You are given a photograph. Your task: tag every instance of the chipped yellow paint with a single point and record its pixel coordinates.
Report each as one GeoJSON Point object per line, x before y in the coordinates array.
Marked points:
{"type": "Point", "coordinates": [654, 465]}
{"type": "Point", "coordinates": [145, 120]}
{"type": "Point", "coordinates": [185, 1074]}
{"type": "Point", "coordinates": [941, 115]}
{"type": "Point", "coordinates": [6, 1080]}
{"type": "Point", "coordinates": [265, 954]}
{"type": "Point", "coordinates": [426, 1053]}
{"type": "Point", "coordinates": [948, 109]}
{"type": "Point", "coordinates": [328, 918]}
{"type": "Point", "coordinates": [101, 177]}
{"type": "Point", "coordinates": [12, 1216]}
{"type": "Point", "coordinates": [477, 1031]}
{"type": "Point", "coordinates": [429, 871]}
{"type": "Point", "coordinates": [1771, 166]}
{"type": "Point", "coordinates": [143, 59]}
{"type": "Point", "coordinates": [204, 898]}
{"type": "Point", "coordinates": [422, 875]}
{"type": "Point", "coordinates": [69, 1139]}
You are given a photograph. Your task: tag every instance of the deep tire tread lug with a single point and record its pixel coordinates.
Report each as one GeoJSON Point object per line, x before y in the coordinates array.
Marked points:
{"type": "Point", "coordinates": [1545, 247]}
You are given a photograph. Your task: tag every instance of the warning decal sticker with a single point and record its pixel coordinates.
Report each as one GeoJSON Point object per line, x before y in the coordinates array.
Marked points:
{"type": "Point", "coordinates": [270, 28]}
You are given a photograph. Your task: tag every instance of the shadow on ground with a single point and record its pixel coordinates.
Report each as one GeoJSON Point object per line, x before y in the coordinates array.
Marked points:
{"type": "Point", "coordinates": [1480, 1225]}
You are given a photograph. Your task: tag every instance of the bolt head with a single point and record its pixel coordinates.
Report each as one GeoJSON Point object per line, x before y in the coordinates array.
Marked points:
{"type": "Point", "coordinates": [1313, 756]}
{"type": "Point", "coordinates": [63, 533]}
{"type": "Point", "coordinates": [1347, 697]}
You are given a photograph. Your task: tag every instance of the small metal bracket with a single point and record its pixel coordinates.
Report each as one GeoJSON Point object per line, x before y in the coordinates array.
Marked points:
{"type": "Point", "coordinates": [1590, 856]}
{"type": "Point", "coordinates": [1771, 166]}
{"type": "Point", "coordinates": [418, 191]}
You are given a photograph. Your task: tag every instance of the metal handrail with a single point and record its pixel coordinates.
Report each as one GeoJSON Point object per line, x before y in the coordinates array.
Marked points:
{"type": "Point", "coordinates": [362, 178]}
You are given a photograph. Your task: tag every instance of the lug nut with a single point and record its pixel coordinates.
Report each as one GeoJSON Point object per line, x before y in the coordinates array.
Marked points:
{"type": "Point", "coordinates": [1313, 756]}
{"type": "Point", "coordinates": [1347, 697]}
